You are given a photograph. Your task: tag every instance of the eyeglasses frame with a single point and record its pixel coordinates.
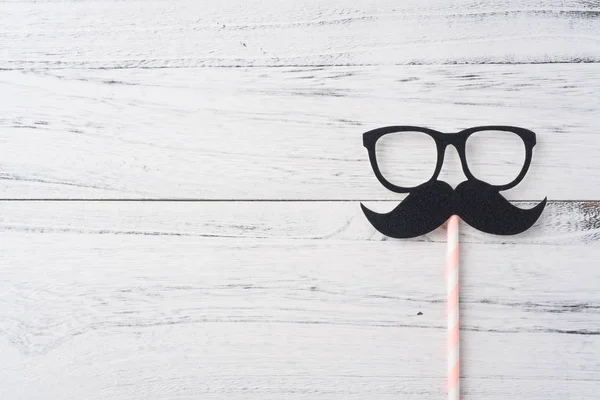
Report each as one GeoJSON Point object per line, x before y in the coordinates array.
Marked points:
{"type": "Point", "coordinates": [443, 140]}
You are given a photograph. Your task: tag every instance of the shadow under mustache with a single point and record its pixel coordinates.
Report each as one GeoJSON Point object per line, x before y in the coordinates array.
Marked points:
{"type": "Point", "coordinates": [431, 204]}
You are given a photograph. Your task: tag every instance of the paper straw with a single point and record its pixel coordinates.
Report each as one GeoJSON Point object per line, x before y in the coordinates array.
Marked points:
{"type": "Point", "coordinates": [453, 320]}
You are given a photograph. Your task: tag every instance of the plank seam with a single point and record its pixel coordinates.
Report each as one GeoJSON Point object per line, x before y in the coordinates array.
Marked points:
{"type": "Point", "coordinates": [180, 200]}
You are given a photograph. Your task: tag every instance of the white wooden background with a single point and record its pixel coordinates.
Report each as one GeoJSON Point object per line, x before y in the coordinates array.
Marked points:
{"type": "Point", "coordinates": [180, 187]}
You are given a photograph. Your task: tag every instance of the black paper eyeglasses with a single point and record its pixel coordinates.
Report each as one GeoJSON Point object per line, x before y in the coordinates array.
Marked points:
{"type": "Point", "coordinates": [442, 140]}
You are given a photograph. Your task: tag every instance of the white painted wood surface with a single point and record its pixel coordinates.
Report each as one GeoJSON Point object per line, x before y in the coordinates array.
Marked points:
{"type": "Point", "coordinates": [280, 133]}
{"type": "Point", "coordinates": [111, 102]}
{"type": "Point", "coordinates": [263, 300]}
{"type": "Point", "coordinates": [135, 314]}
{"type": "Point", "coordinates": [573, 223]}
{"type": "Point", "coordinates": [191, 33]}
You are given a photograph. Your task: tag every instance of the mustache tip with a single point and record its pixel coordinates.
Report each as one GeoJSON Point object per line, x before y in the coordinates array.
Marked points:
{"type": "Point", "coordinates": [541, 205]}
{"type": "Point", "coordinates": [368, 213]}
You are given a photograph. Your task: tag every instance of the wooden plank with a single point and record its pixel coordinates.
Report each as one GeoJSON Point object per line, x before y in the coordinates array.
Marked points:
{"type": "Point", "coordinates": [280, 133]}
{"type": "Point", "coordinates": [142, 34]}
{"type": "Point", "coordinates": [561, 223]}
{"type": "Point", "coordinates": [130, 315]}
{"type": "Point", "coordinates": [271, 361]}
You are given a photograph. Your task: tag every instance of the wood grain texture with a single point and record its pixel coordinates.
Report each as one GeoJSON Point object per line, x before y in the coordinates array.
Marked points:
{"type": "Point", "coordinates": [101, 314]}
{"type": "Point", "coordinates": [142, 34]}
{"type": "Point", "coordinates": [279, 133]}
{"type": "Point", "coordinates": [561, 223]}
{"type": "Point", "coordinates": [111, 102]}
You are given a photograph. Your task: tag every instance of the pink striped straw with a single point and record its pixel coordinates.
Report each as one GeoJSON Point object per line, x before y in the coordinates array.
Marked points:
{"type": "Point", "coordinates": [452, 311]}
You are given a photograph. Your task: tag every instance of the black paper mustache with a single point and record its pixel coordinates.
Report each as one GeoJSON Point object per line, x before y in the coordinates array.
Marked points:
{"type": "Point", "coordinates": [478, 204]}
